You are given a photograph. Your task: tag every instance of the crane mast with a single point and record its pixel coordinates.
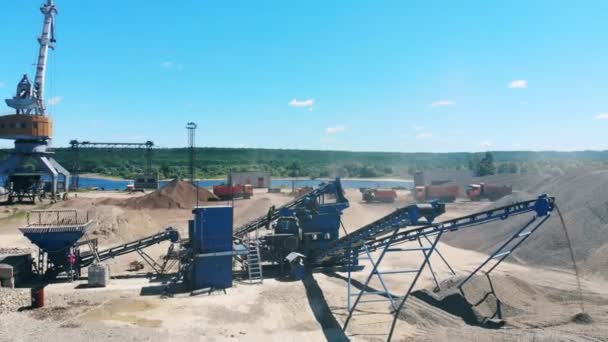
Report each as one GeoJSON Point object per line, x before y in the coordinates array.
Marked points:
{"type": "Point", "coordinates": [28, 99]}
{"type": "Point", "coordinates": [46, 40]}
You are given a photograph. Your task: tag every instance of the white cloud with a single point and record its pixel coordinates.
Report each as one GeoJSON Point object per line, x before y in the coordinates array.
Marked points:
{"type": "Point", "coordinates": [424, 135]}
{"type": "Point", "coordinates": [518, 84]}
{"type": "Point", "coordinates": [335, 129]}
{"type": "Point", "coordinates": [418, 128]}
{"type": "Point", "coordinates": [443, 103]}
{"type": "Point", "coordinates": [302, 104]}
{"type": "Point", "coordinates": [172, 65]}
{"type": "Point", "coordinates": [602, 116]}
{"type": "Point", "coordinates": [486, 144]}
{"type": "Point", "coordinates": [53, 101]}
{"type": "Point", "coordinates": [2, 84]}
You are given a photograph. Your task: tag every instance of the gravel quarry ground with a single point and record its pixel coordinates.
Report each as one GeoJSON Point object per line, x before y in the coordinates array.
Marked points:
{"type": "Point", "coordinates": [535, 293]}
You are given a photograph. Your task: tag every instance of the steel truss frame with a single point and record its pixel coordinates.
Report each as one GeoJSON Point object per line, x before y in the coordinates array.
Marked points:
{"type": "Point", "coordinates": [431, 234]}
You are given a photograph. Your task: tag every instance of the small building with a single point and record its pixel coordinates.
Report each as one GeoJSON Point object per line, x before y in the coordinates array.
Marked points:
{"type": "Point", "coordinates": [146, 181]}
{"type": "Point", "coordinates": [439, 177]}
{"type": "Point", "coordinates": [257, 179]}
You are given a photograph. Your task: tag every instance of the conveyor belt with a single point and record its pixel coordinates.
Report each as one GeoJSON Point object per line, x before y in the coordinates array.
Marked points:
{"type": "Point", "coordinates": [408, 216]}
{"type": "Point", "coordinates": [169, 234]}
{"type": "Point", "coordinates": [325, 188]}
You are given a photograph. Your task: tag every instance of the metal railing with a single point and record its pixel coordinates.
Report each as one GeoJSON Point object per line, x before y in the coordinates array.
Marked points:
{"type": "Point", "coordinates": [56, 218]}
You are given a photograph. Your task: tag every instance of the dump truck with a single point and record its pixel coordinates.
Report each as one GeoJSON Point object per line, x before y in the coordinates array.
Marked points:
{"type": "Point", "coordinates": [226, 192]}
{"type": "Point", "coordinates": [131, 188]}
{"type": "Point", "coordinates": [443, 193]}
{"type": "Point", "coordinates": [476, 192]}
{"type": "Point", "coordinates": [379, 195]}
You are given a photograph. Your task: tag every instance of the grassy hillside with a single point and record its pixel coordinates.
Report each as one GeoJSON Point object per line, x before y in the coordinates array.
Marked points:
{"type": "Point", "coordinates": [216, 162]}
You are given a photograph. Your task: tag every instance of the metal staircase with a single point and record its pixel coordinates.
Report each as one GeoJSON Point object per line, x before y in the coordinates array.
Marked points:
{"type": "Point", "coordinates": [254, 268]}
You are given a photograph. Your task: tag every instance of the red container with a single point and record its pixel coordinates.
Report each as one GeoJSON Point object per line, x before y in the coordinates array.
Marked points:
{"type": "Point", "coordinates": [237, 191]}
{"type": "Point", "coordinates": [386, 195]}
{"type": "Point", "coordinates": [37, 294]}
{"type": "Point", "coordinates": [494, 192]}
{"type": "Point", "coordinates": [444, 193]}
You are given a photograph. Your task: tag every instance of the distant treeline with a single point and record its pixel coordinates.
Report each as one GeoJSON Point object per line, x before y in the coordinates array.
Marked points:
{"type": "Point", "coordinates": [217, 162]}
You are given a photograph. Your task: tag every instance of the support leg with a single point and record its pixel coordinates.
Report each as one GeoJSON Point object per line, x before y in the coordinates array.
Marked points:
{"type": "Point", "coordinates": [407, 294]}
{"type": "Point", "coordinates": [502, 255]}
{"type": "Point", "coordinates": [430, 266]}
{"type": "Point", "coordinates": [441, 256]}
{"type": "Point", "coordinates": [369, 278]}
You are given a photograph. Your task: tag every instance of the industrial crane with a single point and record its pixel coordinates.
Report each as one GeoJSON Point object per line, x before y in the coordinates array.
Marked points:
{"type": "Point", "coordinates": [30, 99]}
{"type": "Point", "coordinates": [31, 128]}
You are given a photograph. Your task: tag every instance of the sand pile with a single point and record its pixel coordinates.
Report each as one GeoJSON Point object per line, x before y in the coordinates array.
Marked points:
{"type": "Point", "coordinates": [490, 303]}
{"type": "Point", "coordinates": [582, 196]}
{"type": "Point", "coordinates": [175, 195]}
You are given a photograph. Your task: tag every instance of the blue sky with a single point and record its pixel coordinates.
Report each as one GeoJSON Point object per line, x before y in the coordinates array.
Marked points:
{"type": "Point", "coordinates": [431, 76]}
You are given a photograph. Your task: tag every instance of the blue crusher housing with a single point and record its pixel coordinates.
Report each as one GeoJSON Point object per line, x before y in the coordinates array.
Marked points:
{"type": "Point", "coordinates": [211, 241]}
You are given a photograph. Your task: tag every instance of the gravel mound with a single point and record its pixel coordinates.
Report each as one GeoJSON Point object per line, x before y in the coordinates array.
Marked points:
{"type": "Point", "coordinates": [13, 299]}
{"type": "Point", "coordinates": [176, 194]}
{"type": "Point", "coordinates": [582, 318]}
{"type": "Point", "coordinates": [489, 303]}
{"type": "Point", "coordinates": [582, 196]}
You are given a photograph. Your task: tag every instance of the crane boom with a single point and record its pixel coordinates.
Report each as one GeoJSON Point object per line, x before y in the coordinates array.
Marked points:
{"type": "Point", "coordinates": [29, 99]}
{"type": "Point", "coordinates": [46, 40]}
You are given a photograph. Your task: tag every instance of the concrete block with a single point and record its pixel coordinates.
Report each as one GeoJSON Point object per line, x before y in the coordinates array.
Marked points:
{"type": "Point", "coordinates": [10, 283]}
{"type": "Point", "coordinates": [99, 275]}
{"type": "Point", "coordinates": [6, 271]}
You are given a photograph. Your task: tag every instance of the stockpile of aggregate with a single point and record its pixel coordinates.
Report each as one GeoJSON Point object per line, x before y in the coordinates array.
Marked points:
{"type": "Point", "coordinates": [175, 195]}
{"type": "Point", "coordinates": [582, 197]}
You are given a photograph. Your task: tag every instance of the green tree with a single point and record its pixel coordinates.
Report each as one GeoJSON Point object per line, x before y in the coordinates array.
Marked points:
{"type": "Point", "coordinates": [486, 165]}
{"type": "Point", "coordinates": [507, 168]}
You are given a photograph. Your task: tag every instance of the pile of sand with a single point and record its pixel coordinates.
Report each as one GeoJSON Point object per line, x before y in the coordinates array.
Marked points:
{"type": "Point", "coordinates": [582, 196]}
{"type": "Point", "coordinates": [175, 195]}
{"type": "Point", "coordinates": [491, 303]}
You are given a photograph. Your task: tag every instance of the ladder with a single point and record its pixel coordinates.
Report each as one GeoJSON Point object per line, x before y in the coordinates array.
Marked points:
{"type": "Point", "coordinates": [254, 268]}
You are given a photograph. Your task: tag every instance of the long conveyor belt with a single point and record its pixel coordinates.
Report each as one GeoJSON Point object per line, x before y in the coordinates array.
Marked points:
{"type": "Point", "coordinates": [375, 235]}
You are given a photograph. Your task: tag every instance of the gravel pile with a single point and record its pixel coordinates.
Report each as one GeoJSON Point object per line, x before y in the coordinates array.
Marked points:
{"type": "Point", "coordinates": [176, 194]}
{"type": "Point", "coordinates": [582, 196]}
{"type": "Point", "coordinates": [13, 299]}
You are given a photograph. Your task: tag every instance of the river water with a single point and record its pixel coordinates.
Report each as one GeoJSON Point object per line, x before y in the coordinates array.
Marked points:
{"type": "Point", "coordinates": [111, 184]}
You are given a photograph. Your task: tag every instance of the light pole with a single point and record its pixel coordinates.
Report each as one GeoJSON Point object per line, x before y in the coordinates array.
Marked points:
{"type": "Point", "coordinates": [191, 127]}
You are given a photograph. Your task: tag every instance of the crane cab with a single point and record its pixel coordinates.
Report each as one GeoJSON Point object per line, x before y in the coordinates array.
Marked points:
{"type": "Point", "coordinates": [26, 127]}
